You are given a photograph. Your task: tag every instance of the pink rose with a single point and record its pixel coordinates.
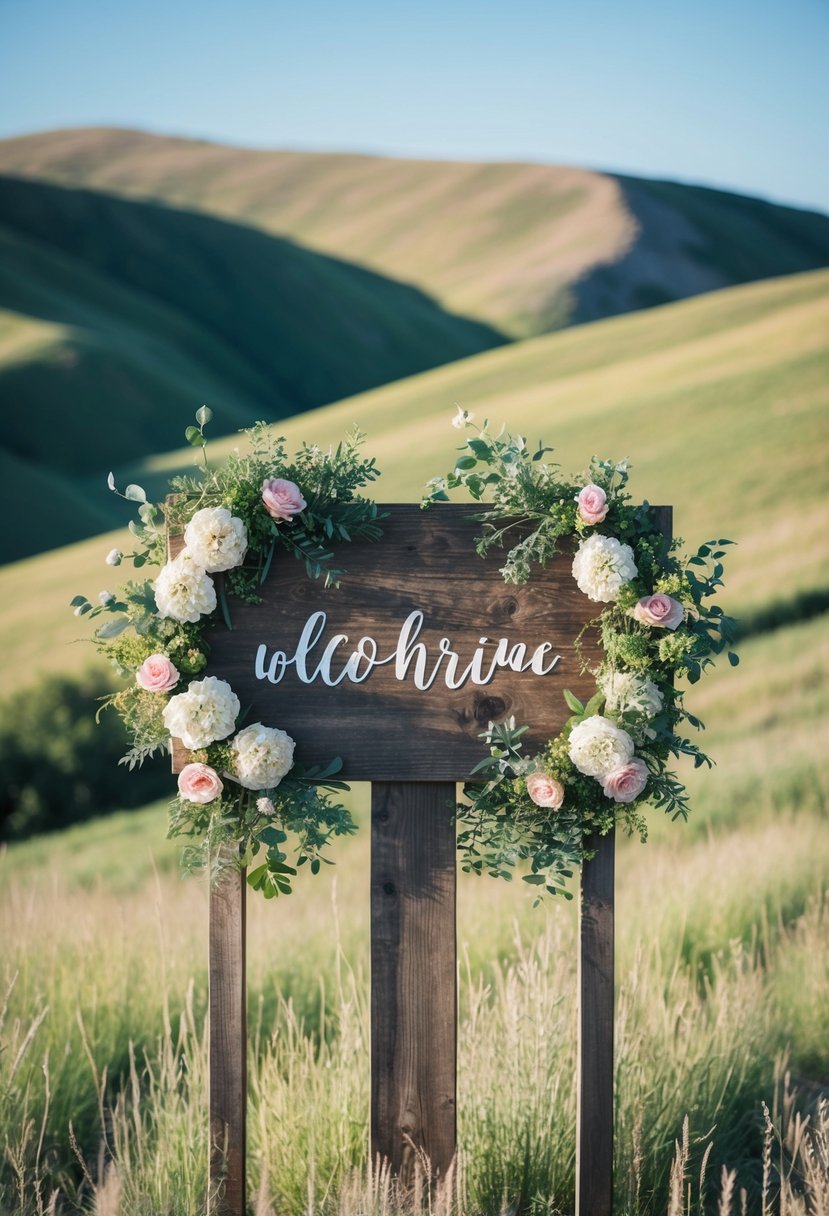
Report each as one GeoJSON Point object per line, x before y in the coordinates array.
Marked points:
{"type": "Point", "coordinates": [545, 790]}
{"type": "Point", "coordinates": [157, 674]}
{"type": "Point", "coordinates": [282, 499]}
{"type": "Point", "coordinates": [199, 783]}
{"type": "Point", "coordinates": [592, 502]}
{"type": "Point", "coordinates": [626, 783]}
{"type": "Point", "coordinates": [660, 610]}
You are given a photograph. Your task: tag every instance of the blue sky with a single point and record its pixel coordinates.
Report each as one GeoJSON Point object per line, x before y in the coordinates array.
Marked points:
{"type": "Point", "coordinates": [732, 93]}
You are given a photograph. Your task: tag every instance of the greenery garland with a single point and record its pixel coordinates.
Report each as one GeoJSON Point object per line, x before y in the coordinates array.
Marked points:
{"type": "Point", "coordinates": [243, 787]}
{"type": "Point", "coordinates": [657, 626]}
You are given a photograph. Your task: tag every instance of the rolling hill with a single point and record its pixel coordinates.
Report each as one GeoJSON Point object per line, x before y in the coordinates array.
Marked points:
{"type": "Point", "coordinates": [722, 403]}
{"type": "Point", "coordinates": [522, 247]}
{"type": "Point", "coordinates": [141, 276]}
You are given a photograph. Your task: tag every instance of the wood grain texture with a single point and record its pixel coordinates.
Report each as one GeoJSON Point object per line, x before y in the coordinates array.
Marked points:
{"type": "Point", "coordinates": [426, 561]}
{"type": "Point", "coordinates": [413, 977]}
{"type": "Point", "coordinates": [594, 1140]}
{"type": "Point", "coordinates": [228, 1045]}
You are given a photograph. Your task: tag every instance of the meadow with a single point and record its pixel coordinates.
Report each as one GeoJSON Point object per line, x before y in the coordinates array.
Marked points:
{"type": "Point", "coordinates": [723, 987]}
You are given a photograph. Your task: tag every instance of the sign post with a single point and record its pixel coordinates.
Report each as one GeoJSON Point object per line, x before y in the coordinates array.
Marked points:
{"type": "Point", "coordinates": [398, 672]}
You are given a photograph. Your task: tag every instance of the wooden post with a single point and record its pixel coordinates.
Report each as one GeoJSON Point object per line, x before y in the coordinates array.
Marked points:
{"type": "Point", "coordinates": [594, 1138]}
{"type": "Point", "coordinates": [413, 977]}
{"type": "Point", "coordinates": [228, 1045]}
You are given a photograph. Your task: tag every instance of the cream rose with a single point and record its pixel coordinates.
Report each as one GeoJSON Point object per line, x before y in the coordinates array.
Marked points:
{"type": "Point", "coordinates": [661, 611]}
{"type": "Point", "coordinates": [199, 783]}
{"type": "Point", "coordinates": [157, 674]}
{"type": "Point", "coordinates": [597, 747]}
{"type": "Point", "coordinates": [602, 566]}
{"type": "Point", "coordinates": [545, 790]}
{"type": "Point", "coordinates": [263, 755]}
{"type": "Point", "coordinates": [593, 506]}
{"type": "Point", "coordinates": [626, 783]}
{"type": "Point", "coordinates": [283, 499]}
{"type": "Point", "coordinates": [203, 714]}
{"type": "Point", "coordinates": [183, 591]}
{"type": "Point", "coordinates": [216, 540]}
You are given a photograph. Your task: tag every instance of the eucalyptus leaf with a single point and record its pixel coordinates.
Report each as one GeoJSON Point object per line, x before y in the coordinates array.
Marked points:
{"type": "Point", "coordinates": [204, 415]}
{"type": "Point", "coordinates": [135, 493]}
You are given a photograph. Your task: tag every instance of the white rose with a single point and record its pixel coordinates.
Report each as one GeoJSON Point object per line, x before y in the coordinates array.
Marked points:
{"type": "Point", "coordinates": [204, 714]}
{"type": "Point", "coordinates": [216, 539]}
{"type": "Point", "coordinates": [263, 755]}
{"type": "Point", "coordinates": [183, 591]}
{"type": "Point", "coordinates": [601, 566]}
{"type": "Point", "coordinates": [597, 747]}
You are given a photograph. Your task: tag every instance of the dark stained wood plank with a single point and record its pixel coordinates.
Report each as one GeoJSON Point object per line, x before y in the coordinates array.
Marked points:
{"type": "Point", "coordinates": [413, 976]}
{"type": "Point", "coordinates": [425, 562]}
{"type": "Point", "coordinates": [594, 1140]}
{"type": "Point", "coordinates": [228, 1045]}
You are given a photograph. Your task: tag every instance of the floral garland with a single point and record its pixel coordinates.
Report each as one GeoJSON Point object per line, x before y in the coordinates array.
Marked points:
{"type": "Point", "coordinates": [657, 625]}
{"type": "Point", "coordinates": [243, 788]}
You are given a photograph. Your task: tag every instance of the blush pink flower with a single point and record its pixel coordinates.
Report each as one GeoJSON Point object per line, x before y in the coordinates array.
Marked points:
{"type": "Point", "coordinates": [626, 783]}
{"type": "Point", "coordinates": [199, 783]}
{"type": "Point", "coordinates": [283, 499]}
{"type": "Point", "coordinates": [661, 611]}
{"type": "Point", "coordinates": [592, 502]}
{"type": "Point", "coordinates": [545, 790]}
{"type": "Point", "coordinates": [157, 674]}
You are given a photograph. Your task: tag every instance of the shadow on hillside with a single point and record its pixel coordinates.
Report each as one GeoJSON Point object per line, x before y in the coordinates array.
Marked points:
{"type": "Point", "coordinates": [161, 309]}
{"type": "Point", "coordinates": [691, 239]}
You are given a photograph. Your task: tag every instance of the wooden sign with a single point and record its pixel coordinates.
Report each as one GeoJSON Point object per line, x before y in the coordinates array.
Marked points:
{"type": "Point", "coordinates": [400, 668]}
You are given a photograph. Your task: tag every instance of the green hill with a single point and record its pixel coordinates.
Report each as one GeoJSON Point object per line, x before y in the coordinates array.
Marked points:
{"type": "Point", "coordinates": [721, 402]}
{"type": "Point", "coordinates": [117, 315]}
{"type": "Point", "coordinates": [523, 247]}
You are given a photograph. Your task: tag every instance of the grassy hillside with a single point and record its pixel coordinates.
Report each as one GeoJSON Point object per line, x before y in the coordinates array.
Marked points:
{"type": "Point", "coordinates": [721, 402]}
{"type": "Point", "coordinates": [722, 972]}
{"type": "Point", "coordinates": [526, 248]}
{"type": "Point", "coordinates": [123, 312]}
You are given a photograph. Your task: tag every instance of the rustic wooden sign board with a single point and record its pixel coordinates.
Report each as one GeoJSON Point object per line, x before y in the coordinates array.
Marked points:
{"type": "Point", "coordinates": [398, 672]}
{"type": "Point", "coordinates": [400, 668]}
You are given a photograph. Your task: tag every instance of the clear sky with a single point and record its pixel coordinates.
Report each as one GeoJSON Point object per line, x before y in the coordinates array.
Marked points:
{"type": "Point", "coordinates": [727, 92]}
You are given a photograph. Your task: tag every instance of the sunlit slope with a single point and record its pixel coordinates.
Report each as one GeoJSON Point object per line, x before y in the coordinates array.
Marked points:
{"type": "Point", "coordinates": [525, 247]}
{"type": "Point", "coordinates": [721, 402]}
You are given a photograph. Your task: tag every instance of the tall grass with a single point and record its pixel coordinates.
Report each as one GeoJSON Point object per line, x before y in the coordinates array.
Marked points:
{"type": "Point", "coordinates": [722, 975]}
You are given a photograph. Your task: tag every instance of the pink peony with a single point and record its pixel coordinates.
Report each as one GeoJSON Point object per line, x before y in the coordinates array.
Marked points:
{"type": "Point", "coordinates": [283, 499]}
{"type": "Point", "coordinates": [157, 674]}
{"type": "Point", "coordinates": [592, 502]}
{"type": "Point", "coordinates": [545, 790]}
{"type": "Point", "coordinates": [199, 783]}
{"type": "Point", "coordinates": [662, 611]}
{"type": "Point", "coordinates": [626, 783]}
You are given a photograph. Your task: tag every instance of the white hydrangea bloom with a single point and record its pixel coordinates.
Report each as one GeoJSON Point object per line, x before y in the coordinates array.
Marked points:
{"type": "Point", "coordinates": [597, 747]}
{"type": "Point", "coordinates": [216, 539]}
{"type": "Point", "coordinates": [601, 566]}
{"type": "Point", "coordinates": [629, 691]}
{"type": "Point", "coordinates": [183, 591]}
{"type": "Point", "coordinates": [263, 755]}
{"type": "Point", "coordinates": [203, 714]}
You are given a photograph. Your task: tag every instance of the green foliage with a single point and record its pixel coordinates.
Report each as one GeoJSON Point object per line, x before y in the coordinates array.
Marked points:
{"type": "Point", "coordinates": [532, 511]}
{"type": "Point", "coordinates": [238, 825]}
{"type": "Point", "coordinates": [56, 766]}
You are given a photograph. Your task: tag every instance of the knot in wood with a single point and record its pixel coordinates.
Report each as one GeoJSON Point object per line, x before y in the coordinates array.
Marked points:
{"type": "Point", "coordinates": [489, 709]}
